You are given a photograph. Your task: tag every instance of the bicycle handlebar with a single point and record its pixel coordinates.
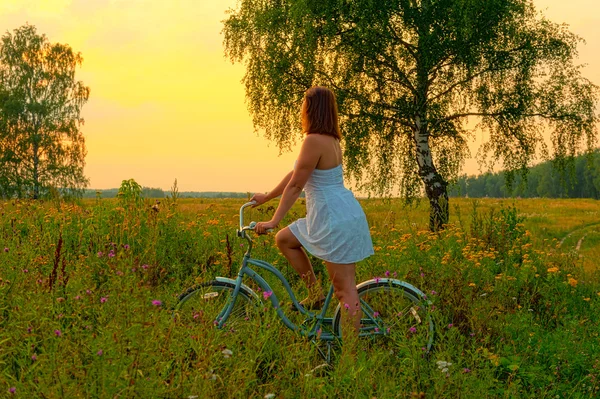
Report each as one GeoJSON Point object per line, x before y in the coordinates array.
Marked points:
{"type": "Point", "coordinates": [251, 225]}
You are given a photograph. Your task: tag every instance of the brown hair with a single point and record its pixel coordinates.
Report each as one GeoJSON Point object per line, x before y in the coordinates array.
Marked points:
{"type": "Point", "coordinates": [320, 112]}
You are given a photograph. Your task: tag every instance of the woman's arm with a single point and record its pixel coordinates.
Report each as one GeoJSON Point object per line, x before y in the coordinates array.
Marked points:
{"type": "Point", "coordinates": [261, 198]}
{"type": "Point", "coordinates": [277, 191]}
{"type": "Point", "coordinates": [307, 162]}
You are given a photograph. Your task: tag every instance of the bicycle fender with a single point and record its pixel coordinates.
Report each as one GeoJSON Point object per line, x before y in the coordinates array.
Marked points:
{"type": "Point", "coordinates": [394, 282]}
{"type": "Point", "coordinates": [244, 286]}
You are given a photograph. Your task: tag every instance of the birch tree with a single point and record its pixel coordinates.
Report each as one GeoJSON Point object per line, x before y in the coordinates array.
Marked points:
{"type": "Point", "coordinates": [413, 79]}
{"type": "Point", "coordinates": [41, 144]}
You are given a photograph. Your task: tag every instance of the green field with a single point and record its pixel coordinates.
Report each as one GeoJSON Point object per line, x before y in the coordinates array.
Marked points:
{"type": "Point", "coordinates": [514, 283]}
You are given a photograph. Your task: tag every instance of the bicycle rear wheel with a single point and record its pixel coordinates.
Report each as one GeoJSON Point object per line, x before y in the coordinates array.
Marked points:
{"type": "Point", "coordinates": [396, 312]}
{"type": "Point", "coordinates": [204, 304]}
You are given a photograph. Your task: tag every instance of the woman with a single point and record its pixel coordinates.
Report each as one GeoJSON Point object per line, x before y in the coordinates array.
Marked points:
{"type": "Point", "coordinates": [335, 228]}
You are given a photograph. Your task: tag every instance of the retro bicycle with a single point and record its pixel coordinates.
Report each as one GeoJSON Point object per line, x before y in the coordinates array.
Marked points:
{"type": "Point", "coordinates": [391, 309]}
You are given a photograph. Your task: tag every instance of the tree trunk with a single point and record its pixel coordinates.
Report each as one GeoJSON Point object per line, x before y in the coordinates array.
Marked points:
{"type": "Point", "coordinates": [435, 185]}
{"type": "Point", "coordinates": [36, 163]}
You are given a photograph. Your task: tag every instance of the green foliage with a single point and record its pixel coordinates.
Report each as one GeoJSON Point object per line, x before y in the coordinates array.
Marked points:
{"type": "Point", "coordinates": [581, 180]}
{"type": "Point", "coordinates": [514, 318]}
{"type": "Point", "coordinates": [41, 145]}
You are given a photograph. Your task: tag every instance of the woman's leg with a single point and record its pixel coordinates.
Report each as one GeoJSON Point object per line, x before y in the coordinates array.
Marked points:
{"type": "Point", "coordinates": [343, 277]}
{"type": "Point", "coordinates": [291, 248]}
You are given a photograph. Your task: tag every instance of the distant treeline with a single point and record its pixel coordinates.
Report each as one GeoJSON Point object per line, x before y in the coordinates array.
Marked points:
{"type": "Point", "coordinates": [149, 192]}
{"type": "Point", "coordinates": [543, 180]}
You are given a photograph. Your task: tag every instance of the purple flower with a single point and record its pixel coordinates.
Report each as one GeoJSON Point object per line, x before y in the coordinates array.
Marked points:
{"type": "Point", "coordinates": [433, 293]}
{"type": "Point", "coordinates": [133, 269]}
{"type": "Point", "coordinates": [100, 254]}
{"type": "Point", "coordinates": [375, 314]}
{"type": "Point", "coordinates": [12, 390]}
{"type": "Point", "coordinates": [25, 271]}
{"type": "Point", "coordinates": [111, 254]}
{"type": "Point", "coordinates": [57, 333]}
{"type": "Point", "coordinates": [99, 353]}
{"type": "Point", "coordinates": [34, 357]}
{"type": "Point", "coordinates": [103, 299]}
{"type": "Point", "coordinates": [387, 273]}
{"type": "Point", "coordinates": [29, 329]}
{"type": "Point", "coordinates": [156, 302]}
{"type": "Point", "coordinates": [89, 292]}
{"type": "Point", "coordinates": [412, 330]}
{"type": "Point", "coordinates": [126, 246]}
{"type": "Point", "coordinates": [267, 294]}
{"type": "Point", "coordinates": [422, 274]}
{"type": "Point", "coordinates": [376, 329]}
{"type": "Point", "coordinates": [144, 267]}
{"type": "Point", "coordinates": [347, 306]}
{"type": "Point", "coordinates": [77, 297]}
{"type": "Point", "coordinates": [6, 250]}
{"type": "Point", "coordinates": [466, 370]}
{"type": "Point", "coordinates": [377, 279]}
{"type": "Point", "coordinates": [450, 325]}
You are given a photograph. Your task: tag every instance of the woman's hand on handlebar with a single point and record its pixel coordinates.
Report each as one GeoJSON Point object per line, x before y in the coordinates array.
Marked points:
{"type": "Point", "coordinates": [259, 199]}
{"type": "Point", "coordinates": [262, 227]}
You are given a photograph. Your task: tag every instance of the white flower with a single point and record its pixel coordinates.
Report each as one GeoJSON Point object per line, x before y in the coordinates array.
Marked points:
{"type": "Point", "coordinates": [226, 353]}
{"type": "Point", "coordinates": [269, 396]}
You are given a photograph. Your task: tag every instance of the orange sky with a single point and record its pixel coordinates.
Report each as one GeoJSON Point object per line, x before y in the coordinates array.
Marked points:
{"type": "Point", "coordinates": [166, 104]}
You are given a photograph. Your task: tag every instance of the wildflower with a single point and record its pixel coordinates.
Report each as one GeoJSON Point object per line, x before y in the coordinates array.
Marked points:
{"type": "Point", "coordinates": [347, 306]}
{"type": "Point", "coordinates": [267, 294]}
{"type": "Point", "coordinates": [119, 273]}
{"type": "Point", "coordinates": [156, 302]}
{"type": "Point", "coordinates": [111, 254]}
{"type": "Point", "coordinates": [5, 249]}
{"type": "Point", "coordinates": [34, 357]}
{"type": "Point", "coordinates": [12, 390]}
{"type": "Point", "coordinates": [376, 329]}
{"type": "Point", "coordinates": [387, 273]}
{"type": "Point", "coordinates": [587, 299]}
{"type": "Point", "coordinates": [553, 270]}
{"type": "Point", "coordinates": [89, 292]}
{"type": "Point", "coordinates": [25, 271]}
{"type": "Point", "coordinates": [572, 282]}
{"type": "Point", "coordinates": [466, 370]}
{"type": "Point", "coordinates": [433, 293]}
{"type": "Point", "coordinates": [377, 279]}
{"type": "Point", "coordinates": [269, 396]}
{"type": "Point", "coordinates": [58, 333]}
{"type": "Point", "coordinates": [412, 330]}
{"type": "Point", "coordinates": [100, 254]}
{"type": "Point", "coordinates": [100, 352]}
{"type": "Point", "coordinates": [450, 325]}
{"type": "Point", "coordinates": [226, 353]}
{"type": "Point", "coordinates": [29, 329]}
{"type": "Point", "coordinates": [133, 269]}
{"type": "Point", "coordinates": [144, 267]}
{"type": "Point", "coordinates": [375, 314]}
{"type": "Point", "coordinates": [103, 299]}
{"type": "Point", "coordinates": [126, 246]}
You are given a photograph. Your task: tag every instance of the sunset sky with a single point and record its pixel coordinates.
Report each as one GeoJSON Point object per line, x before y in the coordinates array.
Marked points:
{"type": "Point", "coordinates": [166, 104]}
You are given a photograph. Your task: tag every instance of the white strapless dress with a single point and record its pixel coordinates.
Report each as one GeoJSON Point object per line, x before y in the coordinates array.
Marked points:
{"type": "Point", "coordinates": [335, 228]}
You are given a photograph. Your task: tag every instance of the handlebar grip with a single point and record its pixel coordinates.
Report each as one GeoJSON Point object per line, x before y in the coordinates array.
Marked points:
{"type": "Point", "coordinates": [252, 225]}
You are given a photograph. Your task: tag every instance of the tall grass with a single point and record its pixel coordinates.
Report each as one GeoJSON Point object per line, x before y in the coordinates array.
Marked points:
{"type": "Point", "coordinates": [85, 293]}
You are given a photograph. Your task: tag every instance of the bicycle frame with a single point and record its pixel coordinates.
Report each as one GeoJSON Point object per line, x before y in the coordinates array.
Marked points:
{"type": "Point", "coordinates": [246, 270]}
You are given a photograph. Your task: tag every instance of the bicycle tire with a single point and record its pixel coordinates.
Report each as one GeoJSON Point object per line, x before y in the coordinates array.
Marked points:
{"type": "Point", "coordinates": [199, 306]}
{"type": "Point", "coordinates": [395, 312]}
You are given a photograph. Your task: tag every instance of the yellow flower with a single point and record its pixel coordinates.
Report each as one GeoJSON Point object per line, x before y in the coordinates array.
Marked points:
{"type": "Point", "coordinates": [572, 282]}
{"type": "Point", "coordinates": [475, 285]}
{"type": "Point", "coordinates": [586, 299]}
{"type": "Point", "coordinates": [553, 270]}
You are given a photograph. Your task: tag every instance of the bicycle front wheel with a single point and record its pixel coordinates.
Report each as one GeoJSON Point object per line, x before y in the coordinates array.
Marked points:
{"type": "Point", "coordinates": [396, 312]}
{"type": "Point", "coordinates": [205, 304]}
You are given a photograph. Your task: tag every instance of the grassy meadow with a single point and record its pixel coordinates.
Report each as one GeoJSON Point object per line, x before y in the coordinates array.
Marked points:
{"type": "Point", "coordinates": [85, 293]}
